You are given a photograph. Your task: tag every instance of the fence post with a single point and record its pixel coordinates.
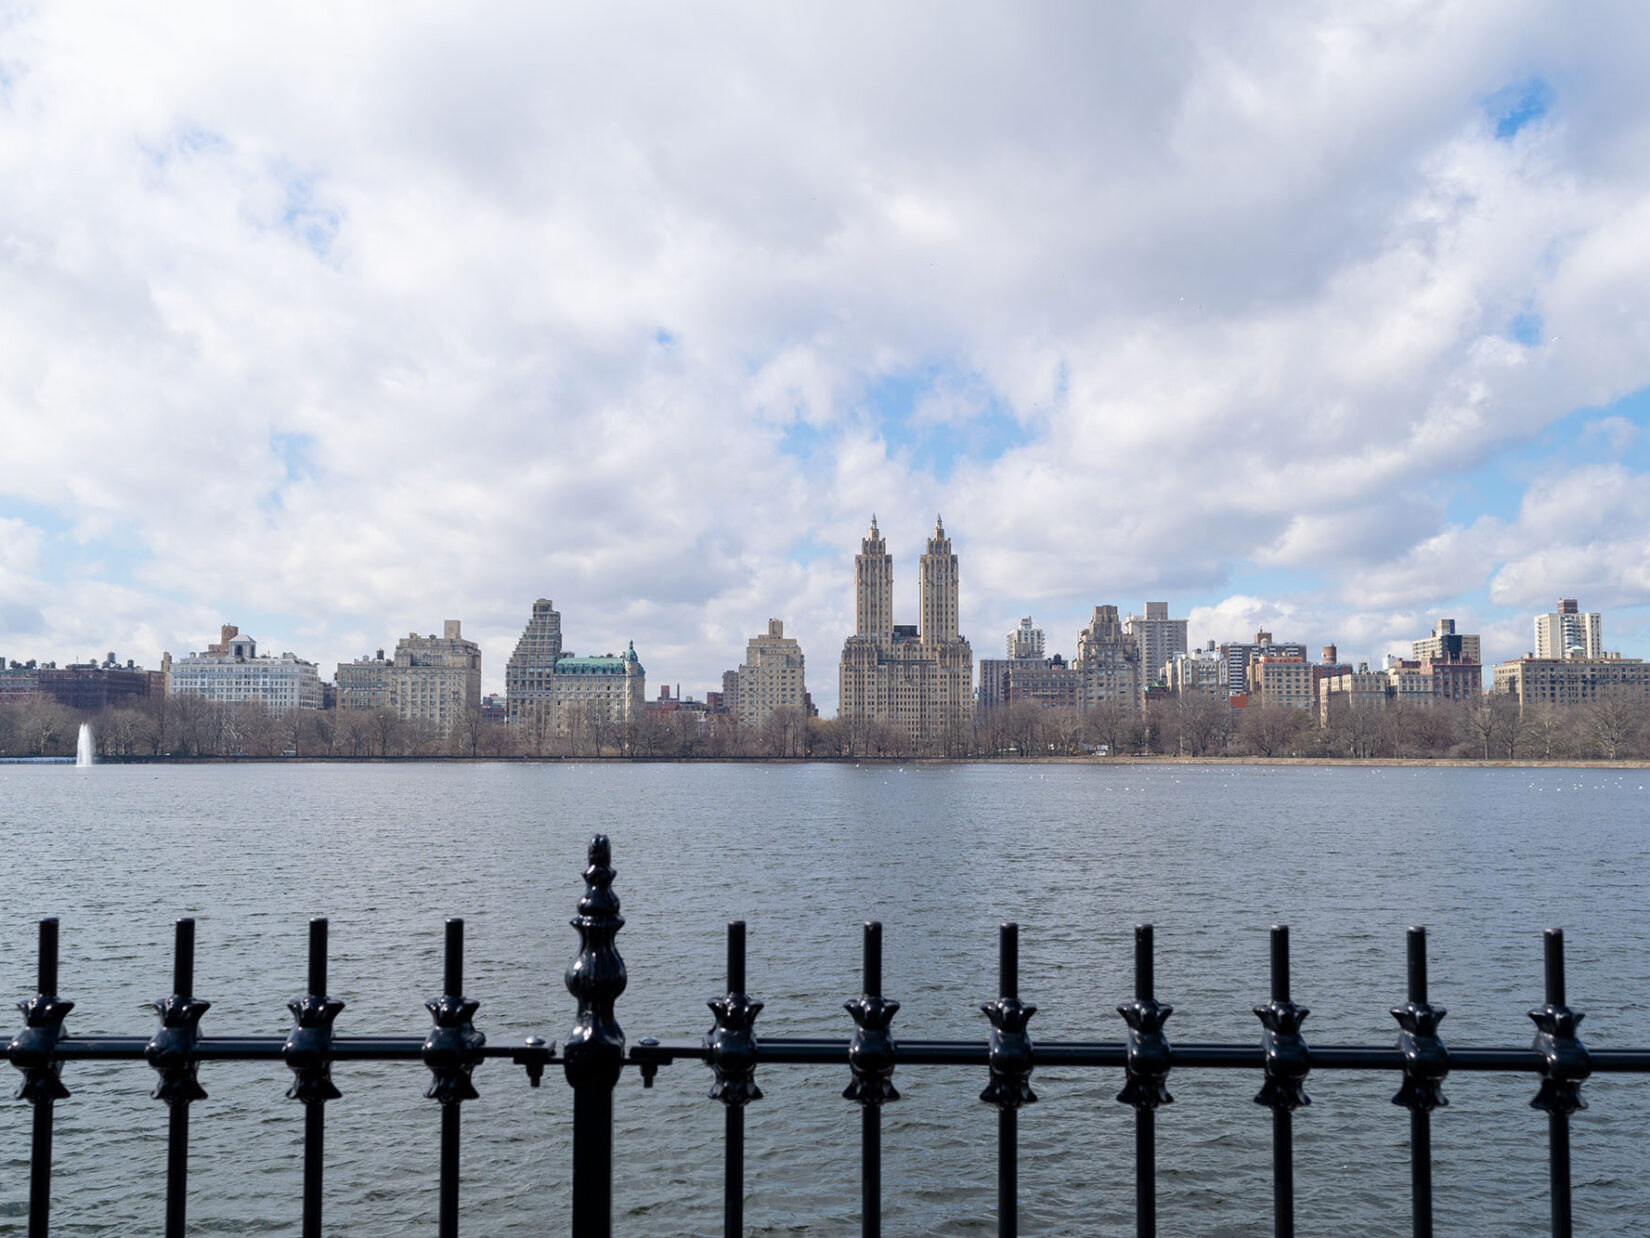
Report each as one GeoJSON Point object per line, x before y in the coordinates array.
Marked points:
{"type": "Point", "coordinates": [34, 1052]}
{"type": "Point", "coordinates": [451, 1050]}
{"type": "Point", "coordinates": [732, 1051]}
{"type": "Point", "coordinates": [594, 1053]}
{"type": "Point", "coordinates": [871, 1059]}
{"type": "Point", "coordinates": [172, 1054]}
{"type": "Point", "coordinates": [1147, 1073]}
{"type": "Point", "coordinates": [1564, 1064]}
{"type": "Point", "coordinates": [1426, 1062]}
{"type": "Point", "coordinates": [308, 1053]}
{"type": "Point", "coordinates": [1010, 1087]}
{"type": "Point", "coordinates": [1287, 1062]}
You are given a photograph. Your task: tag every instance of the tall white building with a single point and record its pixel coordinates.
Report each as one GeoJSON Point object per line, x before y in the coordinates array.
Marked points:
{"type": "Point", "coordinates": [770, 677]}
{"type": "Point", "coordinates": [1569, 632]}
{"type": "Point", "coordinates": [1025, 641]}
{"type": "Point", "coordinates": [1159, 638]}
{"type": "Point", "coordinates": [232, 672]}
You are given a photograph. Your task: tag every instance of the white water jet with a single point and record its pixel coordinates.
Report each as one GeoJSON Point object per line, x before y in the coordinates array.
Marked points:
{"type": "Point", "coordinates": [85, 752]}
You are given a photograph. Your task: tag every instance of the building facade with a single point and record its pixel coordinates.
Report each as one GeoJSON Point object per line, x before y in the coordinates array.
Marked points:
{"type": "Point", "coordinates": [232, 672]}
{"type": "Point", "coordinates": [431, 679]}
{"type": "Point", "coordinates": [1569, 632]}
{"type": "Point", "coordinates": [1025, 641]}
{"type": "Point", "coordinates": [770, 678]}
{"type": "Point", "coordinates": [611, 688]}
{"type": "Point", "coordinates": [919, 678]}
{"type": "Point", "coordinates": [528, 675]}
{"type": "Point", "coordinates": [1159, 637]}
{"type": "Point", "coordinates": [1108, 661]}
{"type": "Point", "coordinates": [1235, 659]}
{"type": "Point", "coordinates": [1197, 673]}
{"type": "Point", "coordinates": [1446, 645]}
{"type": "Point", "coordinates": [1572, 681]}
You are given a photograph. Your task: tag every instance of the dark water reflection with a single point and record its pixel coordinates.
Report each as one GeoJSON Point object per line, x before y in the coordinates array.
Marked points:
{"type": "Point", "coordinates": [1212, 855]}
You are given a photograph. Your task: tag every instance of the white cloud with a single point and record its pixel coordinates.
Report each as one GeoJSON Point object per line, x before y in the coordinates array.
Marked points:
{"type": "Point", "coordinates": [584, 304]}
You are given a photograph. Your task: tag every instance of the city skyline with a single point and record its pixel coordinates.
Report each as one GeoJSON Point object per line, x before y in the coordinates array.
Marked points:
{"type": "Point", "coordinates": [1323, 324]}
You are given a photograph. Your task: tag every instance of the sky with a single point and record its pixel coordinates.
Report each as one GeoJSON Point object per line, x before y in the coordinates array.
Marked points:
{"type": "Point", "coordinates": [335, 322]}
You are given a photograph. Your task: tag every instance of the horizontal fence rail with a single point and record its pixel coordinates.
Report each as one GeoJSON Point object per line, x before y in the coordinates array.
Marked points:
{"type": "Point", "coordinates": [595, 1053]}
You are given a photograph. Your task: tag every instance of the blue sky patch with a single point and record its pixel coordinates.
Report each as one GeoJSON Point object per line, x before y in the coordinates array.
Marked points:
{"type": "Point", "coordinates": [980, 427]}
{"type": "Point", "coordinates": [293, 451]}
{"type": "Point", "coordinates": [1526, 329]}
{"type": "Point", "coordinates": [1584, 436]}
{"type": "Point", "coordinates": [312, 224]}
{"type": "Point", "coordinates": [1514, 107]}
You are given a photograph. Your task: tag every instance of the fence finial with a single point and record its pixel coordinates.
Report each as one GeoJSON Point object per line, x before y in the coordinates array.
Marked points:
{"type": "Point", "coordinates": [1565, 1061]}
{"type": "Point", "coordinates": [594, 1053]}
{"type": "Point", "coordinates": [452, 1049]}
{"type": "Point", "coordinates": [1147, 1067]}
{"type": "Point", "coordinates": [871, 1051]}
{"type": "Point", "coordinates": [1010, 1044]}
{"type": "Point", "coordinates": [1426, 1060]}
{"type": "Point", "coordinates": [172, 1049]}
{"type": "Point", "coordinates": [1287, 1057]}
{"type": "Point", "coordinates": [731, 1044]}
{"type": "Point", "coordinates": [34, 1049]}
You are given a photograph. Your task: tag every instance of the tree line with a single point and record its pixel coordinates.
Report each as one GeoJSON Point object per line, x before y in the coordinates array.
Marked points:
{"type": "Point", "coordinates": [1490, 727]}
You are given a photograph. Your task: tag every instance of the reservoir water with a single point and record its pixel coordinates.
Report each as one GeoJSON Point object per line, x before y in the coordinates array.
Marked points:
{"type": "Point", "coordinates": [1077, 854]}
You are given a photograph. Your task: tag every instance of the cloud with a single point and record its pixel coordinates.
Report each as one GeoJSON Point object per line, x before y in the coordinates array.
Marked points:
{"type": "Point", "coordinates": [351, 322]}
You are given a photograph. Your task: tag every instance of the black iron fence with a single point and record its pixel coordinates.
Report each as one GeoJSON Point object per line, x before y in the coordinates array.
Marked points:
{"type": "Point", "coordinates": [595, 1053]}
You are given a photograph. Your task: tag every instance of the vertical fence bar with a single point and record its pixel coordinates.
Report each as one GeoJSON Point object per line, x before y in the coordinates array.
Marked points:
{"type": "Point", "coordinates": [33, 1051]}
{"type": "Point", "coordinates": [172, 1054]}
{"type": "Point", "coordinates": [871, 1057]}
{"type": "Point", "coordinates": [1558, 1123]}
{"type": "Point", "coordinates": [732, 1055]}
{"type": "Point", "coordinates": [870, 1118]}
{"type": "Point", "coordinates": [1008, 1117]}
{"type": "Point", "coordinates": [594, 1053]}
{"type": "Point", "coordinates": [1565, 1063]}
{"type": "Point", "coordinates": [315, 1113]}
{"type": "Point", "coordinates": [308, 1052]}
{"type": "Point", "coordinates": [1146, 1085]}
{"type": "Point", "coordinates": [451, 1050]}
{"type": "Point", "coordinates": [1420, 1120]}
{"type": "Point", "coordinates": [40, 1154]}
{"type": "Point", "coordinates": [1010, 1055]}
{"type": "Point", "coordinates": [1283, 1119]}
{"type": "Point", "coordinates": [733, 1116]}
{"type": "Point", "coordinates": [177, 1144]}
{"type": "Point", "coordinates": [1287, 1063]}
{"type": "Point", "coordinates": [1426, 1062]}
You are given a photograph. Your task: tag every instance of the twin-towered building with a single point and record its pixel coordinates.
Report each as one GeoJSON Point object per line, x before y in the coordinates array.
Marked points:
{"type": "Point", "coordinates": [918, 678]}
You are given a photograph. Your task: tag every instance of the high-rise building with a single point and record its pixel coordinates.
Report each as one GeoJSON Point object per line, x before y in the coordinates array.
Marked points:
{"type": "Point", "coordinates": [431, 679]}
{"type": "Point", "coordinates": [1235, 659]}
{"type": "Point", "coordinates": [528, 676]}
{"type": "Point", "coordinates": [918, 677]}
{"type": "Point", "coordinates": [1159, 637]}
{"type": "Point", "coordinates": [232, 671]}
{"type": "Point", "coordinates": [1569, 632]}
{"type": "Point", "coordinates": [1025, 641]}
{"type": "Point", "coordinates": [770, 677]}
{"type": "Point", "coordinates": [1446, 644]}
{"type": "Point", "coordinates": [1108, 661]}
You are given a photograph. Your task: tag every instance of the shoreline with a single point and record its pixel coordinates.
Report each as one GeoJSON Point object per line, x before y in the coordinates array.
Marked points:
{"type": "Point", "coordinates": [1623, 763]}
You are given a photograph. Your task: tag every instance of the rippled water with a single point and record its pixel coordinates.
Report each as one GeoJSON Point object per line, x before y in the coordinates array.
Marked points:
{"type": "Point", "coordinates": [1077, 854]}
